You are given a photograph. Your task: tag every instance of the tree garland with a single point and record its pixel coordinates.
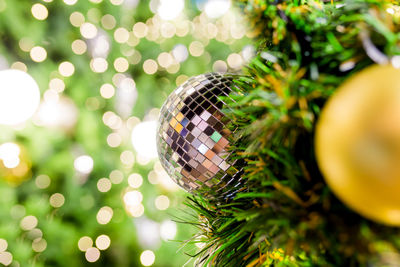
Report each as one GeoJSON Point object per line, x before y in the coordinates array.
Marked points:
{"type": "Point", "coordinates": [287, 216]}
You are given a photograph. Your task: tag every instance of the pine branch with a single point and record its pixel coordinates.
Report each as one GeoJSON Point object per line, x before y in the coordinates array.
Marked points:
{"type": "Point", "coordinates": [287, 216]}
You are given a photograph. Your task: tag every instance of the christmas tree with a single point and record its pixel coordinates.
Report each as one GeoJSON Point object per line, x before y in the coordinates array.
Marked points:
{"type": "Point", "coordinates": [316, 127]}
{"type": "Point", "coordinates": [81, 83]}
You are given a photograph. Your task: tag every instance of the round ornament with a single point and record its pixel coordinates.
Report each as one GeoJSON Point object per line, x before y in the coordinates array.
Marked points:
{"type": "Point", "coordinates": [192, 138]}
{"type": "Point", "coordinates": [358, 143]}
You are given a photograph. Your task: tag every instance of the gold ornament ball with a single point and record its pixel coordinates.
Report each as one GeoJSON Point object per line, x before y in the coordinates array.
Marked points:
{"type": "Point", "coordinates": [358, 143]}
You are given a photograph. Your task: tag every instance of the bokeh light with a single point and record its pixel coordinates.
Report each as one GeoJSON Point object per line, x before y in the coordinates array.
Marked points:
{"type": "Point", "coordinates": [135, 180]}
{"type": "Point", "coordinates": [70, 2]}
{"type": "Point", "coordinates": [77, 153]}
{"type": "Point", "coordinates": [121, 64]}
{"type": "Point", "coordinates": [88, 30]}
{"type": "Point", "coordinates": [121, 35]}
{"type": "Point", "coordinates": [6, 258]}
{"type": "Point", "coordinates": [147, 258]}
{"type": "Point", "coordinates": [26, 44]}
{"type": "Point", "coordinates": [128, 158]}
{"type": "Point", "coordinates": [116, 176]}
{"type": "Point", "coordinates": [108, 22]}
{"type": "Point", "coordinates": [84, 243]}
{"type": "Point", "coordinates": [42, 181]}
{"type": "Point", "coordinates": [66, 69]}
{"type": "Point", "coordinates": [3, 245]}
{"type": "Point", "coordinates": [39, 245]}
{"type": "Point", "coordinates": [235, 61]}
{"type": "Point", "coordinates": [143, 139]}
{"type": "Point", "coordinates": [170, 9]}
{"type": "Point", "coordinates": [103, 242]}
{"type": "Point", "coordinates": [220, 66]}
{"type": "Point", "coordinates": [9, 154]}
{"type": "Point", "coordinates": [38, 54]}
{"type": "Point", "coordinates": [83, 164]}
{"type": "Point", "coordinates": [57, 84]}
{"type": "Point", "coordinates": [133, 198]}
{"type": "Point", "coordinates": [28, 222]}
{"type": "Point", "coordinates": [19, 97]}
{"type": "Point", "coordinates": [107, 90]}
{"type": "Point", "coordinates": [77, 19]}
{"type": "Point", "coordinates": [98, 65]}
{"type": "Point", "coordinates": [162, 202]}
{"type": "Point", "coordinates": [92, 254]}
{"type": "Point", "coordinates": [180, 52]}
{"type": "Point", "coordinates": [39, 11]}
{"type": "Point", "coordinates": [104, 215]}
{"type": "Point", "coordinates": [168, 230]}
{"type": "Point", "coordinates": [196, 48]}
{"type": "Point", "coordinates": [57, 200]}
{"type": "Point", "coordinates": [216, 8]}
{"type": "Point", "coordinates": [150, 66]}
{"type": "Point", "coordinates": [114, 140]}
{"type": "Point", "coordinates": [56, 111]}
{"type": "Point", "coordinates": [140, 29]}
{"type": "Point", "coordinates": [99, 46]}
{"type": "Point", "coordinates": [104, 185]}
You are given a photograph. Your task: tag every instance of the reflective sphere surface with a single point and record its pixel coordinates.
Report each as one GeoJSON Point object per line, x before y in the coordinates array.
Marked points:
{"type": "Point", "coordinates": [192, 139]}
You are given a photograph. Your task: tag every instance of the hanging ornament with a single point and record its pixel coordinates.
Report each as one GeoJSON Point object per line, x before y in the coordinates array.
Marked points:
{"type": "Point", "coordinates": [358, 143]}
{"type": "Point", "coordinates": [192, 138]}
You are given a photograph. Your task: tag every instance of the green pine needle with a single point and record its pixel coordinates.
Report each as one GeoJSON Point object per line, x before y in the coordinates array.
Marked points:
{"type": "Point", "coordinates": [287, 215]}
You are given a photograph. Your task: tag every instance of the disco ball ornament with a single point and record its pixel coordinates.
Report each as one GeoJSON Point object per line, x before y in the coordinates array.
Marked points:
{"type": "Point", "coordinates": [192, 138]}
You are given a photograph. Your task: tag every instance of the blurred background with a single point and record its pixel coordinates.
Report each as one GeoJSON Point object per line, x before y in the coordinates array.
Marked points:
{"type": "Point", "coordinates": [81, 84]}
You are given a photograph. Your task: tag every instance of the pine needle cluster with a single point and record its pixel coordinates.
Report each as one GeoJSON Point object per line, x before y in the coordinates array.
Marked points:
{"type": "Point", "coordinates": [286, 215]}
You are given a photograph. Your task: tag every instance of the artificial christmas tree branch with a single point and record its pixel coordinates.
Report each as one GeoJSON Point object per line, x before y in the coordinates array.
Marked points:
{"type": "Point", "coordinates": [288, 216]}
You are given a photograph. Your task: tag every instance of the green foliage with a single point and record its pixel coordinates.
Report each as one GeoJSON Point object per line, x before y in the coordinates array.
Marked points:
{"type": "Point", "coordinates": [51, 151]}
{"type": "Point", "coordinates": [306, 50]}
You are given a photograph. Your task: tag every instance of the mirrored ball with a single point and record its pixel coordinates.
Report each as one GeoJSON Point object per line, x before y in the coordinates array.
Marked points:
{"type": "Point", "coordinates": [192, 137]}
